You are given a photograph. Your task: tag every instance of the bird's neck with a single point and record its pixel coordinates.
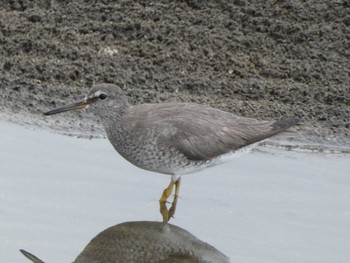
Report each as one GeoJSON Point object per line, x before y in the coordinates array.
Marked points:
{"type": "Point", "coordinates": [113, 114]}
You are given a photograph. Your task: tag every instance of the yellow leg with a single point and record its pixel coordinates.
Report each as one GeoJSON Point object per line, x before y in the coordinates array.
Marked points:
{"type": "Point", "coordinates": [173, 205]}
{"type": "Point", "coordinates": [167, 192]}
{"type": "Point", "coordinates": [164, 211]}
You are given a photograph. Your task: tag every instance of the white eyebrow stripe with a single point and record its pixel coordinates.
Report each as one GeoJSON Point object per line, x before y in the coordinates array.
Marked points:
{"type": "Point", "coordinates": [95, 95]}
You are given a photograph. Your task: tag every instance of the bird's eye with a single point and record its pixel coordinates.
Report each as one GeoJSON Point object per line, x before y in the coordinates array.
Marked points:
{"type": "Point", "coordinates": [102, 96]}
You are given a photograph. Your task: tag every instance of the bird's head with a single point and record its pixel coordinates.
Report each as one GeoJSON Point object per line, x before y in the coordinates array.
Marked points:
{"type": "Point", "coordinates": [103, 97]}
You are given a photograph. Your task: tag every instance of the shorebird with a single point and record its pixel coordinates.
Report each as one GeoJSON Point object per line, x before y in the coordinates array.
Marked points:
{"type": "Point", "coordinates": [172, 138]}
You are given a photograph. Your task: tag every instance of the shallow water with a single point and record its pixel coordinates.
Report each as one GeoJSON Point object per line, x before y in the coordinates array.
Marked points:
{"type": "Point", "coordinates": [272, 205]}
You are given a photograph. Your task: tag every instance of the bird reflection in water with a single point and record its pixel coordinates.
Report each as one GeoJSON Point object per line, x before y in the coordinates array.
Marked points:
{"type": "Point", "coordinates": [145, 241]}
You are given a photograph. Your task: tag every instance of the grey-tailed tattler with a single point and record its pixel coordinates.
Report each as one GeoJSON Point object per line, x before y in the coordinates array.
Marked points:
{"type": "Point", "coordinates": [172, 138]}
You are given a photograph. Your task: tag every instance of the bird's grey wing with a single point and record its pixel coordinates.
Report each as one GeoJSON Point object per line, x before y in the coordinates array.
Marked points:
{"type": "Point", "coordinates": [224, 137]}
{"type": "Point", "coordinates": [201, 132]}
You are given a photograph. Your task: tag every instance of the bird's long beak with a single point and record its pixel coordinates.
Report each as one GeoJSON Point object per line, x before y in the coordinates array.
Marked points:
{"type": "Point", "coordinates": [74, 106]}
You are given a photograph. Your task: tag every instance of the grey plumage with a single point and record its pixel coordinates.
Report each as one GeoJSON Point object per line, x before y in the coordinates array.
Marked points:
{"type": "Point", "coordinates": [199, 132]}
{"type": "Point", "coordinates": [173, 138]}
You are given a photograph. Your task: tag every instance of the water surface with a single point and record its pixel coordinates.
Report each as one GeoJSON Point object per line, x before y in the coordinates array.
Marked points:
{"type": "Point", "coordinates": [272, 205]}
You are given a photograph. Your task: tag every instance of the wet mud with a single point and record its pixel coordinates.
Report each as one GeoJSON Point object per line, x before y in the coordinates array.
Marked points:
{"type": "Point", "coordinates": [260, 59]}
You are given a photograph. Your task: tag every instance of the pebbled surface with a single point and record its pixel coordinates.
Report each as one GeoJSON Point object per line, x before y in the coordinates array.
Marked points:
{"type": "Point", "coordinates": [266, 60]}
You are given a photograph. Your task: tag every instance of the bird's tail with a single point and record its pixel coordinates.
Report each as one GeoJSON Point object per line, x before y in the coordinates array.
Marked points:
{"type": "Point", "coordinates": [282, 125]}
